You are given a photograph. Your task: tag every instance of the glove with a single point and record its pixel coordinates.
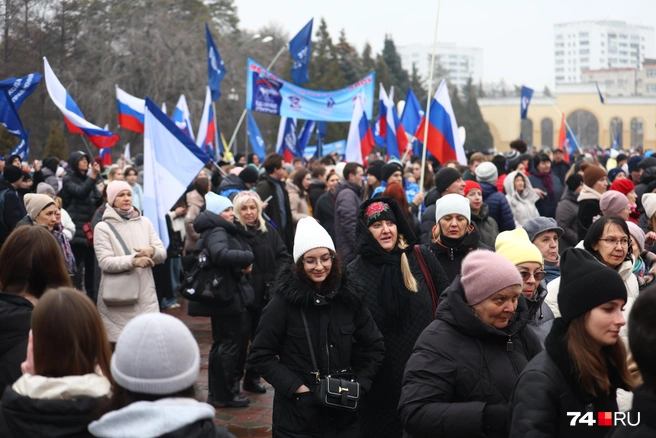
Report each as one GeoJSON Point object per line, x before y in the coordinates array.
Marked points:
{"type": "Point", "coordinates": [495, 417]}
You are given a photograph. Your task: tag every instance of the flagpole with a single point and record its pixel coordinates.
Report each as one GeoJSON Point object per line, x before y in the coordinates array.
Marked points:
{"type": "Point", "coordinates": [243, 114]}
{"type": "Point", "coordinates": [560, 113]}
{"type": "Point", "coordinates": [216, 129]}
{"type": "Point", "coordinates": [88, 148]}
{"type": "Point", "coordinates": [428, 105]}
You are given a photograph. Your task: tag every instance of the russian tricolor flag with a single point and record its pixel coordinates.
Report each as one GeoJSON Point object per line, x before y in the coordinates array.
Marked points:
{"type": "Point", "coordinates": [130, 111]}
{"type": "Point", "coordinates": [360, 140]}
{"type": "Point", "coordinates": [443, 138]}
{"type": "Point", "coordinates": [72, 114]}
{"type": "Point", "coordinates": [380, 127]}
{"type": "Point", "coordinates": [207, 128]}
{"type": "Point", "coordinates": [395, 139]}
{"type": "Point", "coordinates": [106, 156]}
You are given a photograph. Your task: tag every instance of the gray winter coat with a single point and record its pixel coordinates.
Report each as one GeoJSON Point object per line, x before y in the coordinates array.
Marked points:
{"type": "Point", "coordinates": [348, 198]}
{"type": "Point", "coordinates": [566, 216]}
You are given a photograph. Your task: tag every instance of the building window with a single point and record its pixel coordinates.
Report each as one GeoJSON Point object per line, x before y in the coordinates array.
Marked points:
{"type": "Point", "coordinates": [526, 128]}
{"type": "Point", "coordinates": [623, 61]}
{"type": "Point", "coordinates": [616, 127]}
{"type": "Point", "coordinates": [621, 82]}
{"type": "Point", "coordinates": [559, 53]}
{"type": "Point", "coordinates": [559, 36]}
{"type": "Point", "coordinates": [584, 51]}
{"type": "Point", "coordinates": [612, 35]}
{"type": "Point", "coordinates": [623, 53]}
{"type": "Point", "coordinates": [546, 128]}
{"type": "Point", "coordinates": [651, 72]}
{"type": "Point", "coordinates": [651, 88]}
{"type": "Point", "coordinates": [584, 43]}
{"type": "Point", "coordinates": [624, 45]}
{"type": "Point", "coordinates": [560, 70]}
{"type": "Point", "coordinates": [609, 82]}
{"type": "Point", "coordinates": [560, 44]}
{"type": "Point", "coordinates": [559, 62]}
{"type": "Point", "coordinates": [560, 78]}
{"type": "Point", "coordinates": [637, 136]}
{"type": "Point", "coordinates": [585, 127]}
{"type": "Point", "coordinates": [583, 34]}
{"type": "Point", "coordinates": [585, 60]}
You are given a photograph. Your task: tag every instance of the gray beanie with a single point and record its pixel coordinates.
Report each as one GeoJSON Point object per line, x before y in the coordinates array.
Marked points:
{"type": "Point", "coordinates": [156, 354]}
{"type": "Point", "coordinates": [487, 173]}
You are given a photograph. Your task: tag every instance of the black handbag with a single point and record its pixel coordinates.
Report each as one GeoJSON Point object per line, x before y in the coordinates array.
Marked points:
{"type": "Point", "coordinates": [338, 391]}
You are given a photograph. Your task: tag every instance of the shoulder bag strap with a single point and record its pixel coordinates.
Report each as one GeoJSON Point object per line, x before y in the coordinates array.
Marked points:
{"type": "Point", "coordinates": [309, 340]}
{"type": "Point", "coordinates": [427, 277]}
{"type": "Point", "coordinates": [120, 239]}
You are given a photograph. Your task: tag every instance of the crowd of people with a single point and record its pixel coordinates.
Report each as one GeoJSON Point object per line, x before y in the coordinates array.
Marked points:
{"type": "Point", "coordinates": [381, 300]}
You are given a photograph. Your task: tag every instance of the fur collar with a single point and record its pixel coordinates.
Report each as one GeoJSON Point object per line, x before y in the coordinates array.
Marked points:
{"type": "Point", "coordinates": [299, 294]}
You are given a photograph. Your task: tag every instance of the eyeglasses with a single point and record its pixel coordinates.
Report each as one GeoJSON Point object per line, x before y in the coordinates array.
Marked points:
{"type": "Point", "coordinates": [613, 241]}
{"type": "Point", "coordinates": [539, 275]}
{"type": "Point", "coordinates": [325, 261]}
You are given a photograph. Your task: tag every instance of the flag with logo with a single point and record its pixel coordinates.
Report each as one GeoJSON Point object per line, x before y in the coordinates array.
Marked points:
{"type": "Point", "coordinates": [527, 93]}
{"type": "Point", "coordinates": [182, 117]}
{"type": "Point", "coordinates": [215, 68]}
{"type": "Point", "coordinates": [257, 142]}
{"type": "Point", "coordinates": [300, 48]}
{"type": "Point", "coordinates": [287, 139]}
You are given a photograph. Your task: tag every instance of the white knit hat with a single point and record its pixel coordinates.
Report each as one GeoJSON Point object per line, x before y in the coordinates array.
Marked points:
{"type": "Point", "coordinates": [487, 172]}
{"type": "Point", "coordinates": [452, 203]}
{"type": "Point", "coordinates": [310, 235]}
{"type": "Point", "coordinates": [216, 204]}
{"type": "Point", "coordinates": [649, 204]}
{"type": "Point", "coordinates": [156, 354]}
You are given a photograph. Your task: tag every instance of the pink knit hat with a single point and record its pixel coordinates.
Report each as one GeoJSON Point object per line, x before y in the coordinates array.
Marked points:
{"type": "Point", "coordinates": [612, 203]}
{"type": "Point", "coordinates": [114, 188]}
{"type": "Point", "coordinates": [485, 273]}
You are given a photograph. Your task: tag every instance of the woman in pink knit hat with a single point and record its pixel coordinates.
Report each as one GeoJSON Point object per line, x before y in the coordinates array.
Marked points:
{"type": "Point", "coordinates": [127, 248]}
{"type": "Point", "coordinates": [460, 376]}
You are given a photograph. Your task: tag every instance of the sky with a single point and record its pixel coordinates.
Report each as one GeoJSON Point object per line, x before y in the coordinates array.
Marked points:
{"type": "Point", "coordinates": [516, 35]}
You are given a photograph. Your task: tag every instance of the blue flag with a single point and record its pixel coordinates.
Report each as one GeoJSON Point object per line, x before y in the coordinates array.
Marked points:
{"type": "Point", "coordinates": [527, 93]}
{"type": "Point", "coordinates": [13, 92]}
{"type": "Point", "coordinates": [257, 142]}
{"type": "Point", "coordinates": [300, 48]}
{"type": "Point", "coordinates": [9, 115]}
{"type": "Point", "coordinates": [412, 112]}
{"type": "Point", "coordinates": [336, 146]}
{"type": "Point", "coordinates": [22, 149]}
{"type": "Point", "coordinates": [617, 143]}
{"type": "Point", "coordinates": [287, 139]}
{"type": "Point", "coordinates": [601, 96]}
{"type": "Point", "coordinates": [304, 136]}
{"type": "Point", "coordinates": [171, 162]}
{"type": "Point", "coordinates": [571, 142]}
{"type": "Point", "coordinates": [20, 88]}
{"type": "Point", "coordinates": [215, 67]}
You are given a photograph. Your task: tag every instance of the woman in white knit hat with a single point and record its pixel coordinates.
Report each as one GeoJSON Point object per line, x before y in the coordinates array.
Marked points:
{"type": "Point", "coordinates": [315, 303]}
{"type": "Point", "coordinates": [153, 395]}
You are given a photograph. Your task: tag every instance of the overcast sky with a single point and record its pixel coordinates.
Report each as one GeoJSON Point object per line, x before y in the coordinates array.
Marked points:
{"type": "Point", "coordinates": [516, 35]}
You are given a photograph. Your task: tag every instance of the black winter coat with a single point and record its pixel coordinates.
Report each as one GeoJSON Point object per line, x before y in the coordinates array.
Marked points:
{"type": "Point", "coordinates": [230, 254]}
{"type": "Point", "coordinates": [458, 365]}
{"type": "Point", "coordinates": [80, 197]}
{"type": "Point", "coordinates": [427, 223]}
{"type": "Point", "coordinates": [25, 417]}
{"type": "Point", "coordinates": [348, 198]}
{"type": "Point", "coordinates": [644, 402]}
{"type": "Point", "coordinates": [15, 325]}
{"type": "Point", "coordinates": [13, 209]}
{"type": "Point", "coordinates": [547, 206]}
{"type": "Point", "coordinates": [343, 335]}
{"type": "Point", "coordinates": [450, 252]}
{"type": "Point", "coordinates": [231, 185]}
{"type": "Point", "coordinates": [547, 389]}
{"type": "Point", "coordinates": [486, 226]}
{"type": "Point", "coordinates": [499, 208]}
{"type": "Point", "coordinates": [316, 190]}
{"type": "Point", "coordinates": [588, 209]}
{"type": "Point", "coordinates": [324, 212]}
{"type": "Point", "coordinates": [560, 170]}
{"type": "Point", "coordinates": [270, 255]}
{"type": "Point", "coordinates": [379, 416]}
{"type": "Point", "coordinates": [266, 187]}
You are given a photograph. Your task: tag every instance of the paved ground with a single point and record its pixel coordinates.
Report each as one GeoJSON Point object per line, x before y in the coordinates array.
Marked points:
{"type": "Point", "coordinates": [254, 420]}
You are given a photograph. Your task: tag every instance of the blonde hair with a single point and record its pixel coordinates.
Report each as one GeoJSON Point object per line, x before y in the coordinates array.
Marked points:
{"type": "Point", "coordinates": [408, 278]}
{"type": "Point", "coordinates": [241, 199]}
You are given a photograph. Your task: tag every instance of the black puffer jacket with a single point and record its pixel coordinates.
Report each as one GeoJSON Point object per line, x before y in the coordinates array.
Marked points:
{"type": "Point", "coordinates": [230, 254]}
{"type": "Point", "coordinates": [486, 226]}
{"type": "Point", "coordinates": [379, 416]}
{"type": "Point", "coordinates": [339, 323]}
{"type": "Point", "coordinates": [324, 212]}
{"type": "Point", "coordinates": [25, 417]}
{"type": "Point", "coordinates": [644, 402]}
{"type": "Point", "coordinates": [266, 187]}
{"type": "Point", "coordinates": [270, 255]}
{"type": "Point", "coordinates": [547, 389]}
{"type": "Point", "coordinates": [316, 190]}
{"type": "Point", "coordinates": [459, 365]}
{"type": "Point", "coordinates": [13, 209]}
{"type": "Point", "coordinates": [427, 223]}
{"type": "Point", "coordinates": [588, 209]}
{"type": "Point", "coordinates": [15, 325]}
{"type": "Point", "coordinates": [80, 196]}
{"type": "Point", "coordinates": [451, 252]}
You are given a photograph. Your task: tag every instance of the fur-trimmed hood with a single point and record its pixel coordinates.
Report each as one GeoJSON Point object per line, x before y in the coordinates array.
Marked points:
{"type": "Point", "coordinates": [296, 292]}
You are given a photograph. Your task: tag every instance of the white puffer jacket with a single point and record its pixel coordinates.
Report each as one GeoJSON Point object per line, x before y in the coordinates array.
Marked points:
{"type": "Point", "coordinates": [522, 206]}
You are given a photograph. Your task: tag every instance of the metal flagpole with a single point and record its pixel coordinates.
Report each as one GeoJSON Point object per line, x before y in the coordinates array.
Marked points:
{"type": "Point", "coordinates": [428, 104]}
{"type": "Point", "coordinates": [243, 114]}
{"type": "Point", "coordinates": [88, 148]}
{"type": "Point", "coordinates": [216, 130]}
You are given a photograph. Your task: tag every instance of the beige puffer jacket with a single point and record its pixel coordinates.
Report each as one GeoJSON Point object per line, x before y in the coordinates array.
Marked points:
{"type": "Point", "coordinates": [136, 233]}
{"type": "Point", "coordinates": [298, 203]}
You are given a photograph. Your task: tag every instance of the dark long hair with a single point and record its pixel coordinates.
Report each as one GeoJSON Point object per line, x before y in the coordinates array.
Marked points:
{"type": "Point", "coordinates": [591, 363]}
{"type": "Point", "coordinates": [596, 230]}
{"type": "Point", "coordinates": [298, 177]}
{"type": "Point", "coordinates": [31, 261]}
{"type": "Point", "coordinates": [331, 280]}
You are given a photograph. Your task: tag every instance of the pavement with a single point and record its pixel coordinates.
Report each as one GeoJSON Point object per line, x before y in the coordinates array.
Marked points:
{"type": "Point", "coordinates": [252, 421]}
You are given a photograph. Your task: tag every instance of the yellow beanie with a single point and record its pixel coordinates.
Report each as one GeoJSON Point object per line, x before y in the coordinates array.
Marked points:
{"type": "Point", "coordinates": [515, 246]}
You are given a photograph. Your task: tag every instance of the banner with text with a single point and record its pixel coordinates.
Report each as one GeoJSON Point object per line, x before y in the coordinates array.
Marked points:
{"type": "Point", "coordinates": [267, 93]}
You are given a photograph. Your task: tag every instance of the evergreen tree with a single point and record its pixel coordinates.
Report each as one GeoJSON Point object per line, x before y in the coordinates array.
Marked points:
{"type": "Point", "coordinates": [400, 78]}
{"type": "Point", "coordinates": [458, 108]}
{"type": "Point", "coordinates": [368, 63]}
{"type": "Point", "coordinates": [479, 137]}
{"type": "Point", "coordinates": [56, 143]}
{"type": "Point", "coordinates": [349, 60]}
{"type": "Point", "coordinates": [416, 83]}
{"type": "Point", "coordinates": [7, 141]}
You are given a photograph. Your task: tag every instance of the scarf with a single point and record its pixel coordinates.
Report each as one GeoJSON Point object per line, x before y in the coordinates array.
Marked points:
{"type": "Point", "coordinates": [129, 214]}
{"type": "Point", "coordinates": [393, 296]}
{"type": "Point", "coordinates": [548, 262]}
{"type": "Point", "coordinates": [588, 193]}
{"type": "Point", "coordinates": [65, 247]}
{"type": "Point", "coordinates": [547, 182]}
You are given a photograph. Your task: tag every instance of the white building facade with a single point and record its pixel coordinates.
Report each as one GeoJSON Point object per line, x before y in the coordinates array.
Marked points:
{"type": "Point", "coordinates": [461, 62]}
{"type": "Point", "coordinates": [596, 45]}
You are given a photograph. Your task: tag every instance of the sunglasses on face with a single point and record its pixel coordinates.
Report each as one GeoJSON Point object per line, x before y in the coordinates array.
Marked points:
{"type": "Point", "coordinates": [539, 275]}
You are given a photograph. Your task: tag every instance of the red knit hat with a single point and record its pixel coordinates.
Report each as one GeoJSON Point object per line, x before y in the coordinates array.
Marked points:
{"type": "Point", "coordinates": [625, 186]}
{"type": "Point", "coordinates": [472, 185]}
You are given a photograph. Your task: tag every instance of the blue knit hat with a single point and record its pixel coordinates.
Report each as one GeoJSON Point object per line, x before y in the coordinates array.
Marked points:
{"type": "Point", "coordinates": [216, 204]}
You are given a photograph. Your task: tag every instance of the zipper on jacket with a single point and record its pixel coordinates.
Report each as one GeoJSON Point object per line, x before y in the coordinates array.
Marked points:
{"type": "Point", "coordinates": [451, 253]}
{"type": "Point", "coordinates": [514, 364]}
{"type": "Point", "coordinates": [509, 344]}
